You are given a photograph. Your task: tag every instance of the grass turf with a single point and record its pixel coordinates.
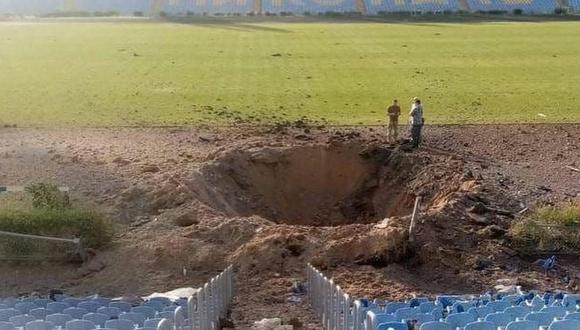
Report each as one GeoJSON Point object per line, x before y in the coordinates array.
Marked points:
{"type": "Point", "coordinates": [144, 73]}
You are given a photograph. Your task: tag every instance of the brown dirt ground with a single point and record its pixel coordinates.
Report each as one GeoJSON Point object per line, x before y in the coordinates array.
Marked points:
{"type": "Point", "coordinates": [199, 199]}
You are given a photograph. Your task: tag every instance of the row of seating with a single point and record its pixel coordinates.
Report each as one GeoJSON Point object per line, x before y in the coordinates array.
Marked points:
{"type": "Point", "coordinates": [62, 312]}
{"type": "Point", "coordinates": [39, 7]}
{"type": "Point", "coordinates": [527, 6]}
{"type": "Point", "coordinates": [513, 312]}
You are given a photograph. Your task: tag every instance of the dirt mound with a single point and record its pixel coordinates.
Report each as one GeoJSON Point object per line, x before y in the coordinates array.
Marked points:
{"type": "Point", "coordinates": [315, 185]}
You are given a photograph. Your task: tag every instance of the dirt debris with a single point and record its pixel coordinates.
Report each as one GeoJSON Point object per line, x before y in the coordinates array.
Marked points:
{"type": "Point", "coordinates": [191, 201]}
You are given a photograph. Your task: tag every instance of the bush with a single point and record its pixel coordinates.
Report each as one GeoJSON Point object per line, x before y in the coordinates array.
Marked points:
{"type": "Point", "coordinates": [47, 196]}
{"type": "Point", "coordinates": [561, 11]}
{"type": "Point", "coordinates": [163, 14]}
{"type": "Point", "coordinates": [93, 230]}
{"type": "Point", "coordinates": [518, 12]}
{"type": "Point", "coordinates": [138, 14]}
{"type": "Point", "coordinates": [548, 229]}
{"type": "Point", "coordinates": [190, 13]}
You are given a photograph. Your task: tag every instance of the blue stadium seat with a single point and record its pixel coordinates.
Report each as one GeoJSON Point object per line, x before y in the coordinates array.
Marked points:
{"type": "Point", "coordinates": [25, 307]}
{"type": "Point", "coordinates": [21, 320]}
{"type": "Point", "coordinates": [152, 323]}
{"type": "Point", "coordinates": [97, 318]}
{"type": "Point", "coordinates": [112, 312]}
{"type": "Point", "coordinates": [559, 312]}
{"type": "Point", "coordinates": [480, 325]}
{"type": "Point", "coordinates": [523, 325]}
{"type": "Point", "coordinates": [427, 307]}
{"type": "Point", "coordinates": [136, 318]}
{"type": "Point", "coordinates": [72, 302]}
{"type": "Point", "coordinates": [436, 326]}
{"type": "Point", "coordinates": [483, 311]}
{"type": "Point", "coordinates": [90, 306]}
{"type": "Point", "coordinates": [498, 306]}
{"type": "Point", "coordinates": [543, 319]}
{"type": "Point", "coordinates": [123, 306]}
{"type": "Point", "coordinates": [119, 324]}
{"type": "Point", "coordinates": [164, 315]}
{"type": "Point", "coordinates": [39, 325]}
{"type": "Point", "coordinates": [75, 312]}
{"type": "Point", "coordinates": [6, 325]}
{"type": "Point", "coordinates": [528, 6]}
{"type": "Point", "coordinates": [376, 6]}
{"type": "Point", "coordinates": [565, 325]}
{"type": "Point", "coordinates": [147, 311]}
{"type": "Point", "coordinates": [41, 302]}
{"type": "Point", "coordinates": [460, 319]}
{"type": "Point", "coordinates": [311, 6]}
{"type": "Point", "coordinates": [59, 320]}
{"type": "Point", "coordinates": [393, 326]}
{"type": "Point", "coordinates": [575, 316]}
{"type": "Point", "coordinates": [39, 313]}
{"type": "Point", "coordinates": [392, 307]}
{"type": "Point", "coordinates": [517, 311]}
{"type": "Point", "coordinates": [6, 314]}
{"type": "Point", "coordinates": [56, 307]}
{"type": "Point", "coordinates": [406, 313]}
{"type": "Point", "coordinates": [423, 318]}
{"type": "Point", "coordinates": [500, 319]}
{"type": "Point", "coordinates": [80, 325]}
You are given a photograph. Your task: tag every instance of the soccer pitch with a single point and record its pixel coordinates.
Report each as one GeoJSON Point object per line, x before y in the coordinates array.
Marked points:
{"type": "Point", "coordinates": [153, 73]}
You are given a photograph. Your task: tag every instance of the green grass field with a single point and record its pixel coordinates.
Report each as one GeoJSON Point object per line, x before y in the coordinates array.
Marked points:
{"type": "Point", "coordinates": [146, 73]}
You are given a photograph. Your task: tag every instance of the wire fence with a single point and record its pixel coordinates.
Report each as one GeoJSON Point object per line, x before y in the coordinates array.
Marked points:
{"type": "Point", "coordinates": [20, 247]}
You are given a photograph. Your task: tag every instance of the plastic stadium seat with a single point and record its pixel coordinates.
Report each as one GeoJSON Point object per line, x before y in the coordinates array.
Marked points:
{"type": "Point", "coordinates": [406, 313]}
{"type": "Point", "coordinates": [373, 319]}
{"type": "Point", "coordinates": [90, 306]}
{"type": "Point", "coordinates": [164, 315]}
{"type": "Point", "coordinates": [558, 312]}
{"type": "Point", "coordinates": [393, 326]}
{"type": "Point", "coordinates": [171, 308]}
{"type": "Point", "coordinates": [499, 306]}
{"type": "Point", "coordinates": [391, 308]}
{"type": "Point", "coordinates": [162, 300]}
{"type": "Point", "coordinates": [59, 320]}
{"type": "Point", "coordinates": [100, 300]}
{"type": "Point", "coordinates": [10, 302]}
{"type": "Point", "coordinates": [80, 325]}
{"type": "Point", "coordinates": [571, 302]}
{"type": "Point", "coordinates": [537, 304]}
{"type": "Point", "coordinates": [119, 324]}
{"type": "Point", "coordinates": [500, 319]}
{"type": "Point", "coordinates": [523, 325]}
{"type": "Point", "coordinates": [21, 320]}
{"type": "Point", "coordinates": [42, 302]}
{"type": "Point", "coordinates": [517, 311]}
{"type": "Point", "coordinates": [565, 325]}
{"type": "Point", "coordinates": [3, 306]}
{"type": "Point", "coordinates": [483, 311]}
{"type": "Point", "coordinates": [112, 312]}
{"type": "Point", "coordinates": [426, 307]}
{"type": "Point", "coordinates": [6, 314]}
{"type": "Point", "coordinates": [72, 302]}
{"type": "Point", "coordinates": [573, 316]}
{"type": "Point", "coordinates": [75, 312]}
{"type": "Point", "coordinates": [437, 313]}
{"type": "Point", "coordinates": [147, 311]}
{"type": "Point", "coordinates": [136, 318]}
{"type": "Point", "coordinates": [460, 319]}
{"type": "Point", "coordinates": [123, 306]}
{"type": "Point", "coordinates": [152, 323]}
{"type": "Point", "coordinates": [480, 326]}
{"type": "Point", "coordinates": [56, 307]}
{"type": "Point", "coordinates": [157, 306]}
{"type": "Point", "coordinates": [97, 318]}
{"type": "Point", "coordinates": [423, 318]}
{"type": "Point", "coordinates": [39, 313]}
{"type": "Point", "coordinates": [6, 325]}
{"type": "Point", "coordinates": [543, 319]}
{"type": "Point", "coordinates": [39, 325]}
{"type": "Point", "coordinates": [436, 326]}
{"type": "Point", "coordinates": [25, 307]}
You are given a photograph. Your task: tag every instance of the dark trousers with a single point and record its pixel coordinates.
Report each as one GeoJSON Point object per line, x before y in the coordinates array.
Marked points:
{"type": "Point", "coordinates": [416, 134]}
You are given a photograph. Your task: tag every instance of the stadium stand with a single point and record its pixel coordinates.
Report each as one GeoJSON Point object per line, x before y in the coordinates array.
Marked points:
{"type": "Point", "coordinates": [574, 4]}
{"type": "Point", "coordinates": [527, 6]}
{"type": "Point", "coordinates": [310, 6]}
{"type": "Point", "coordinates": [208, 6]}
{"type": "Point", "coordinates": [376, 6]}
{"type": "Point", "coordinates": [487, 312]}
{"type": "Point", "coordinates": [198, 312]}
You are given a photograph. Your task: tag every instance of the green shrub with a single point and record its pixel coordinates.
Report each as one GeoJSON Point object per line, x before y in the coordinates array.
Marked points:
{"type": "Point", "coordinates": [47, 196]}
{"type": "Point", "coordinates": [548, 229]}
{"type": "Point", "coordinates": [93, 230]}
{"type": "Point", "coordinates": [138, 14]}
{"type": "Point", "coordinates": [518, 12]}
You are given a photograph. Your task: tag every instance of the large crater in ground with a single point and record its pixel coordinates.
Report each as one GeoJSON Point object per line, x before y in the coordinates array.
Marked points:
{"type": "Point", "coordinates": [317, 185]}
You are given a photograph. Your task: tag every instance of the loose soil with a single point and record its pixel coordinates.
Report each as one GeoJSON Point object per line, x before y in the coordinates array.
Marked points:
{"type": "Point", "coordinates": [188, 202]}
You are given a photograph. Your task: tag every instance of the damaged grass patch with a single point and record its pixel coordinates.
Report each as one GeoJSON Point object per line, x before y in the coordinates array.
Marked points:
{"type": "Point", "coordinates": [548, 229]}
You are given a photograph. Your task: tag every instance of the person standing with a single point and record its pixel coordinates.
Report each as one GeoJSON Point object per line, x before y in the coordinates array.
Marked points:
{"type": "Point", "coordinates": [417, 122]}
{"type": "Point", "coordinates": [393, 111]}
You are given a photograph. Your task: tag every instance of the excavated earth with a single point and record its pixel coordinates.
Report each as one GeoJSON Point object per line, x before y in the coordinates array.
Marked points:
{"type": "Point", "coordinates": [188, 202]}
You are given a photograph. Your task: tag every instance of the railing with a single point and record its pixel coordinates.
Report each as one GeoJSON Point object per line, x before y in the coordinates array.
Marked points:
{"type": "Point", "coordinates": [206, 307]}
{"type": "Point", "coordinates": [17, 246]}
{"type": "Point", "coordinates": [330, 303]}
